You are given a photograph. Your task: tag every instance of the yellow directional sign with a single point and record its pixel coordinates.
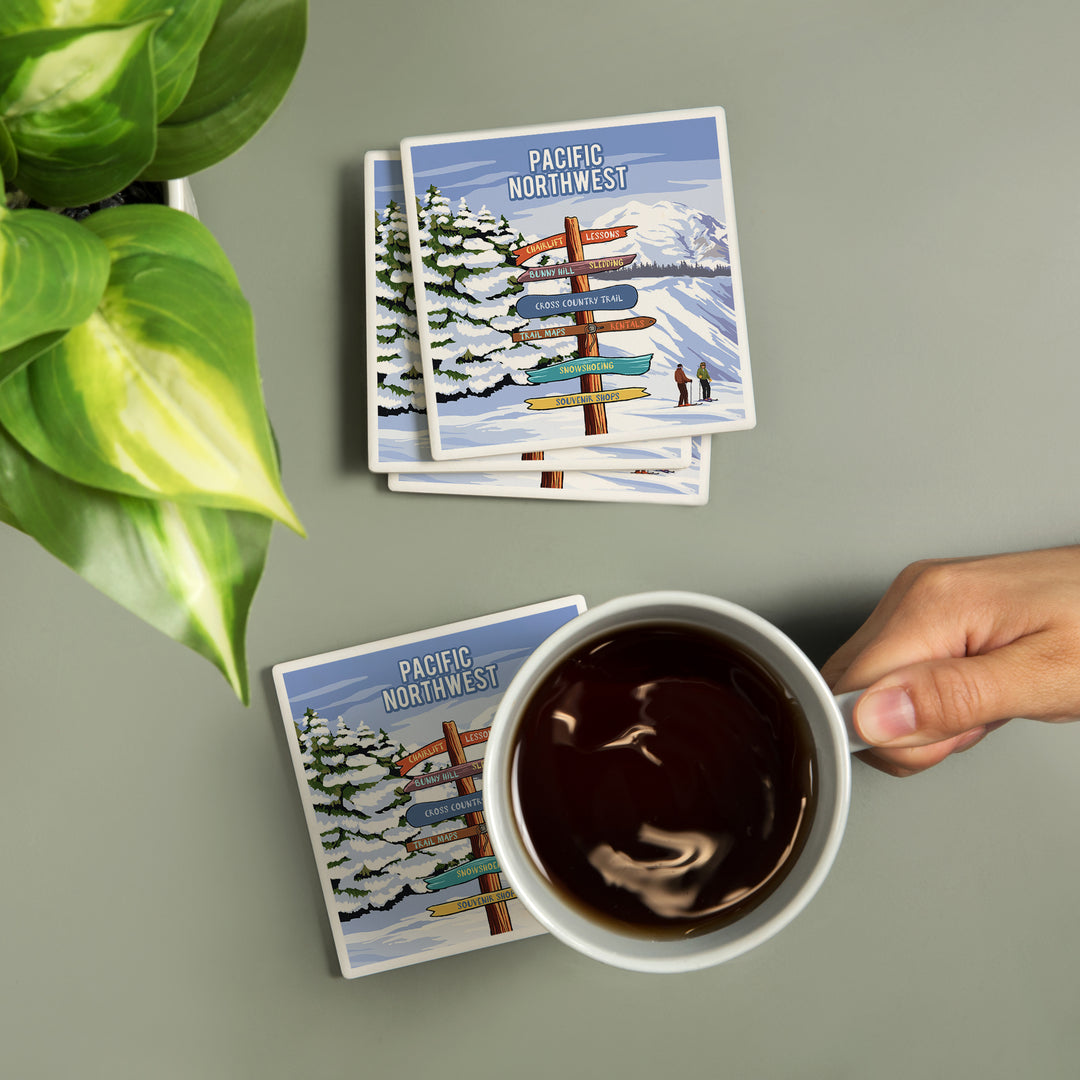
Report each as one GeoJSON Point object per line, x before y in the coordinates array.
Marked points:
{"type": "Point", "coordinates": [598, 397]}
{"type": "Point", "coordinates": [468, 903]}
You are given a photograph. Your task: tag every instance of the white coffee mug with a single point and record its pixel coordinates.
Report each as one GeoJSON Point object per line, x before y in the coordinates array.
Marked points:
{"type": "Point", "coordinates": [829, 720]}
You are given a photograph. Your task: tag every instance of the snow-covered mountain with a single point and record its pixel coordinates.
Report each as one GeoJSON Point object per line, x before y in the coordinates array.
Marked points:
{"type": "Point", "coordinates": [695, 322]}
{"type": "Point", "coordinates": [666, 233]}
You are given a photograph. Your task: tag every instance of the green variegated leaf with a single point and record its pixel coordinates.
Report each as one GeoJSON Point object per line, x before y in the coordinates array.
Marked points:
{"type": "Point", "coordinates": [7, 515]}
{"type": "Point", "coordinates": [52, 274]}
{"type": "Point", "coordinates": [157, 394]}
{"type": "Point", "coordinates": [245, 68]}
{"type": "Point", "coordinates": [17, 357]}
{"type": "Point", "coordinates": [9, 158]}
{"type": "Point", "coordinates": [190, 571]}
{"type": "Point", "coordinates": [176, 44]}
{"type": "Point", "coordinates": [79, 106]}
{"type": "Point", "coordinates": [19, 15]}
{"type": "Point", "coordinates": [149, 229]}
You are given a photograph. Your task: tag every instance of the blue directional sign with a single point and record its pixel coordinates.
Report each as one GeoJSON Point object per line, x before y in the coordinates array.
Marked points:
{"type": "Point", "coordinates": [615, 298]}
{"type": "Point", "coordinates": [425, 813]}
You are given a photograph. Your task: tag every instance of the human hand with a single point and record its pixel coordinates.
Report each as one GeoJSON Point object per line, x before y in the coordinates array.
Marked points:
{"type": "Point", "coordinates": [956, 648]}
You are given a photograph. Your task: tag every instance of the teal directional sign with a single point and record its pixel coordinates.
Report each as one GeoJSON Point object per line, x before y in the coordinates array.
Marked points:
{"type": "Point", "coordinates": [463, 872]}
{"type": "Point", "coordinates": [591, 365]}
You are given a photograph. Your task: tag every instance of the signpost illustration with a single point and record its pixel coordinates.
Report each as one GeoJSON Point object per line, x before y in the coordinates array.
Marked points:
{"type": "Point", "coordinates": [468, 802]}
{"type": "Point", "coordinates": [583, 302]}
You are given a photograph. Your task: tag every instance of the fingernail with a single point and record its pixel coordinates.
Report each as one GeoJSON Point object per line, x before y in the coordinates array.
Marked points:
{"type": "Point", "coordinates": [969, 739]}
{"type": "Point", "coordinates": [886, 715]}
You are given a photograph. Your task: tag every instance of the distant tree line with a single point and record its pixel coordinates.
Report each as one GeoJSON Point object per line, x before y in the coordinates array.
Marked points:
{"type": "Point", "coordinates": [683, 269]}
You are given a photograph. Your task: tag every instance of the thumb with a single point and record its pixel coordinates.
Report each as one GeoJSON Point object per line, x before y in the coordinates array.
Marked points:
{"type": "Point", "coordinates": [939, 699]}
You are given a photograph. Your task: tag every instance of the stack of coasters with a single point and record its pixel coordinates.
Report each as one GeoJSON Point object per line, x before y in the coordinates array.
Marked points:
{"type": "Point", "coordinates": [556, 311]}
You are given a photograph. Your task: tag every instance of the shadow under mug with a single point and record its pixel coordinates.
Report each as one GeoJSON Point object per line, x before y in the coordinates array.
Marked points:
{"type": "Point", "coordinates": [834, 739]}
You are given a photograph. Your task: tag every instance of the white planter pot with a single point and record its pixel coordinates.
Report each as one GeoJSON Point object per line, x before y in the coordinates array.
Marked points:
{"type": "Point", "coordinates": [178, 194]}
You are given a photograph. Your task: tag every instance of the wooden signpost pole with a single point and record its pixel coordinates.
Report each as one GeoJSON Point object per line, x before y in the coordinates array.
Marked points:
{"type": "Point", "coordinates": [547, 479]}
{"type": "Point", "coordinates": [497, 914]}
{"type": "Point", "coordinates": [595, 414]}
{"type": "Point", "coordinates": [585, 327]}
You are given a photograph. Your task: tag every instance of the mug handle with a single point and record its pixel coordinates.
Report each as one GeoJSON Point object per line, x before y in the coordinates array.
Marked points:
{"type": "Point", "coordinates": [846, 705]}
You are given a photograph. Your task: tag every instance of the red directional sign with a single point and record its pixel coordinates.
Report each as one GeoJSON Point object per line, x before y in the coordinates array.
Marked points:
{"type": "Point", "coordinates": [541, 333]}
{"type": "Point", "coordinates": [444, 776]}
{"type": "Point", "coordinates": [468, 738]}
{"type": "Point", "coordinates": [564, 270]}
{"type": "Point", "coordinates": [588, 236]}
{"type": "Point", "coordinates": [446, 837]}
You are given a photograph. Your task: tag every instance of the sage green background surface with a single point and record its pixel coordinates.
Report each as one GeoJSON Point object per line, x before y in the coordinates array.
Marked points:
{"type": "Point", "coordinates": [906, 184]}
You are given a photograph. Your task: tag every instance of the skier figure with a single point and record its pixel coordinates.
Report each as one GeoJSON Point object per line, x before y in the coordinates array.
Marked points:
{"type": "Point", "coordinates": [706, 381]}
{"type": "Point", "coordinates": [682, 380]}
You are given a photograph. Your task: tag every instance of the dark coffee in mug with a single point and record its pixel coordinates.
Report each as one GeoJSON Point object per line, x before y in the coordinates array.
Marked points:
{"type": "Point", "coordinates": [663, 779]}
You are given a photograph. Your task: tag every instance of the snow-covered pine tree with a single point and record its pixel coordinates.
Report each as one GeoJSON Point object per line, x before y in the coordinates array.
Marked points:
{"type": "Point", "coordinates": [360, 809]}
{"type": "Point", "coordinates": [437, 245]}
{"type": "Point", "coordinates": [400, 380]}
{"type": "Point", "coordinates": [468, 267]}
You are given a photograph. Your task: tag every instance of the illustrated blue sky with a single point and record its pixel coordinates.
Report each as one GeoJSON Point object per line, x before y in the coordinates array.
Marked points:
{"type": "Point", "coordinates": [387, 182]}
{"type": "Point", "coordinates": [671, 159]}
{"type": "Point", "coordinates": [351, 687]}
